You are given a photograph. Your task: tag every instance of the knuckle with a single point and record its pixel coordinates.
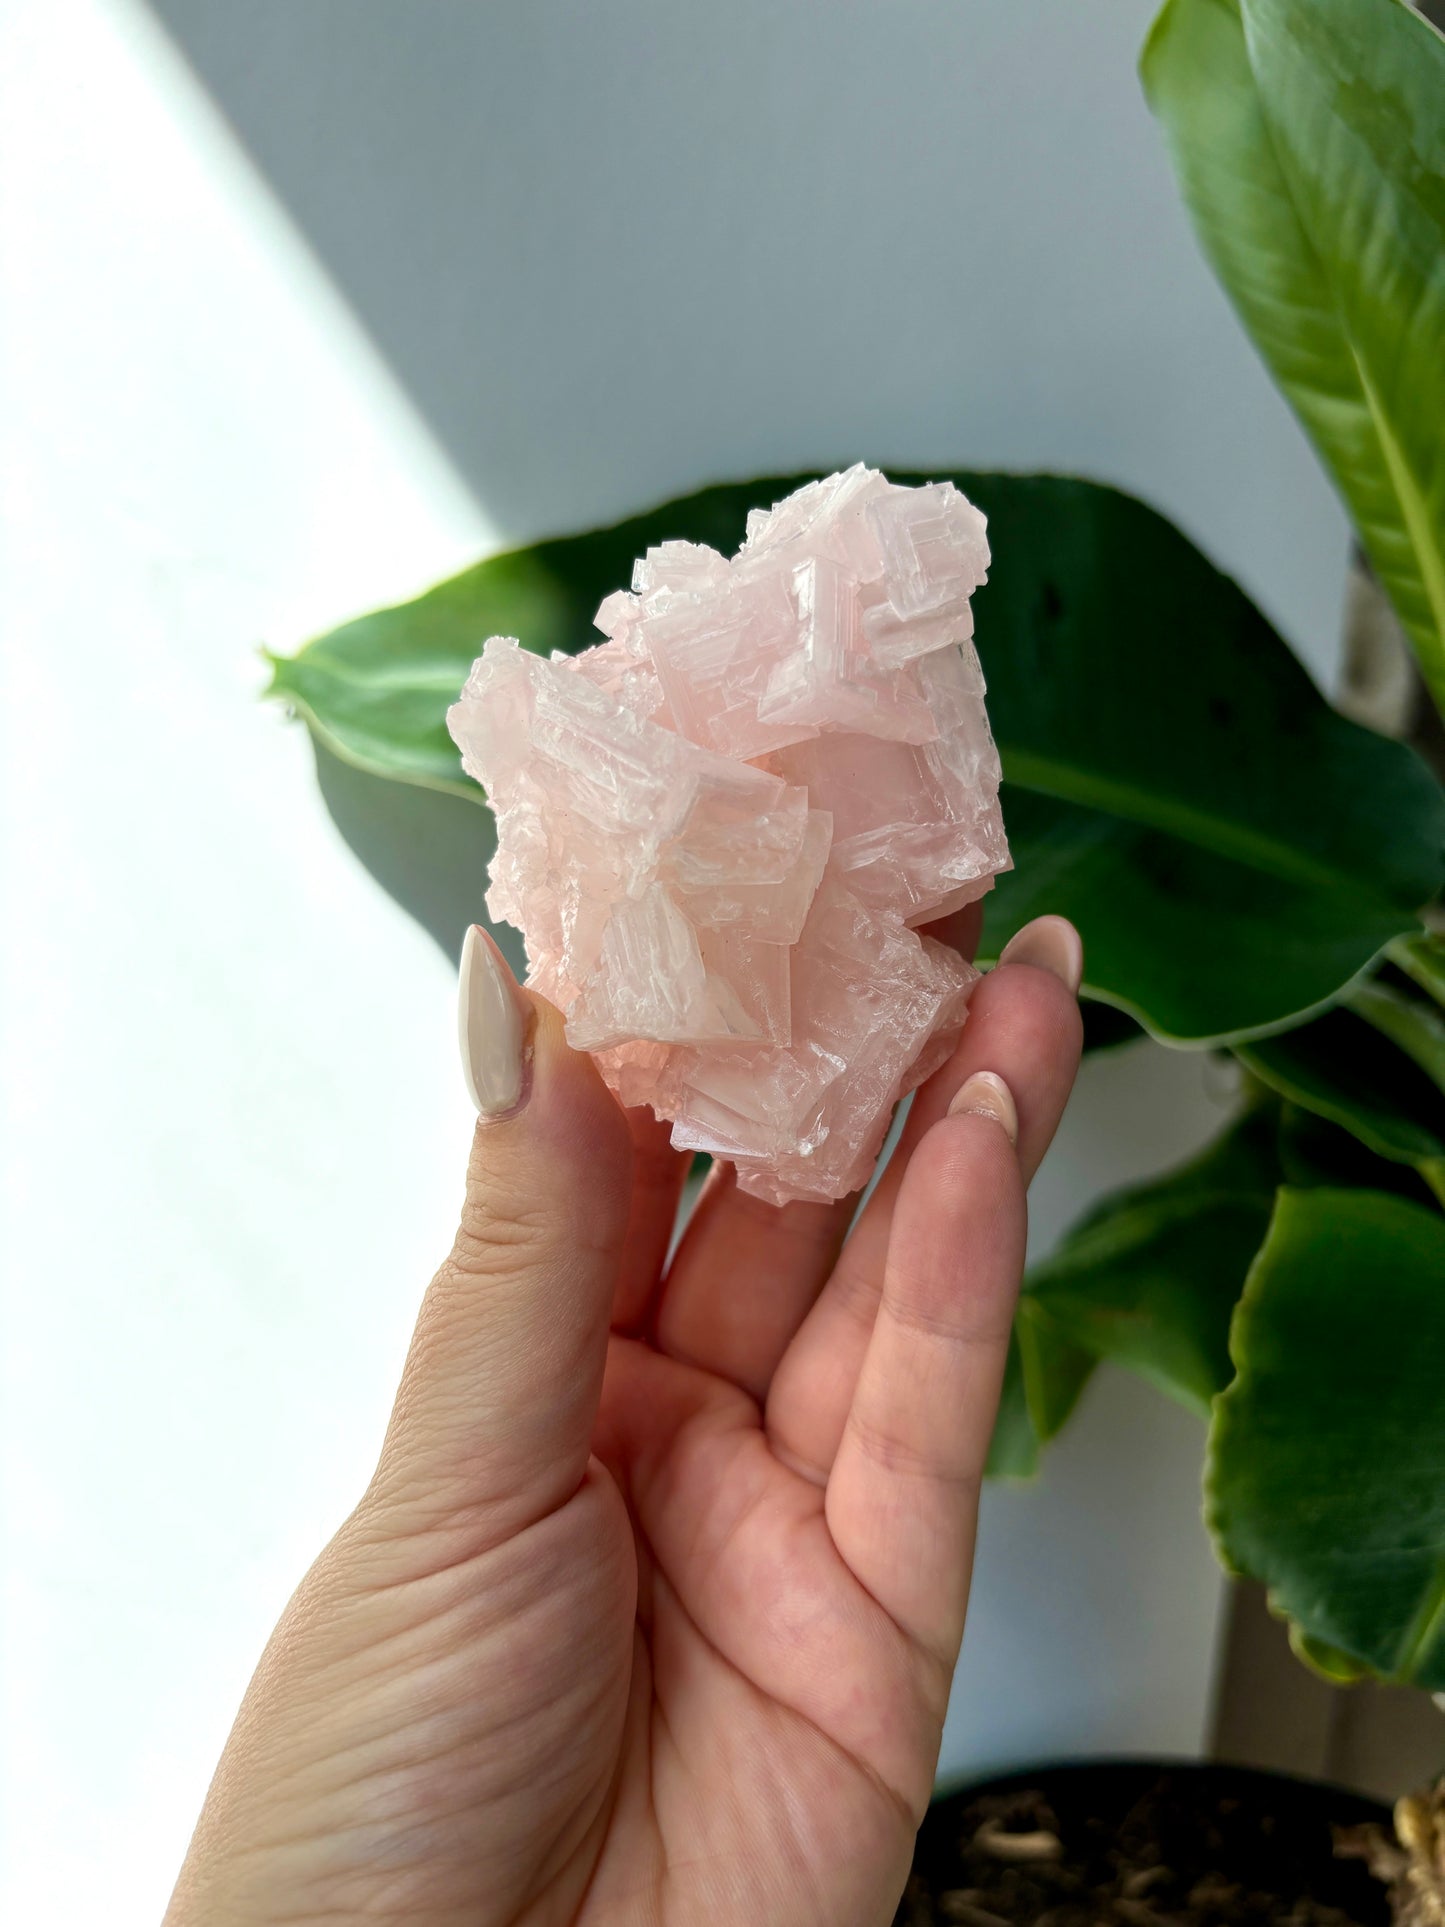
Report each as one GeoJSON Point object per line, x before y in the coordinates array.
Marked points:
{"type": "Point", "coordinates": [938, 1306]}
{"type": "Point", "coordinates": [890, 1453]}
{"type": "Point", "coordinates": [855, 1292]}
{"type": "Point", "coordinates": [500, 1234]}
{"type": "Point", "coordinates": [912, 1312]}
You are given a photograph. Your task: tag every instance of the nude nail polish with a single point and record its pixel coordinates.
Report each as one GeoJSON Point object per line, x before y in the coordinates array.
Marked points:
{"type": "Point", "coordinates": [492, 1021]}
{"type": "Point", "coordinates": [1049, 943]}
{"type": "Point", "coordinates": [986, 1095]}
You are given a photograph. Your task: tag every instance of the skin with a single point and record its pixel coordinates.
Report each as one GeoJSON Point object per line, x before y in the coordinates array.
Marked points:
{"type": "Point", "coordinates": [650, 1609]}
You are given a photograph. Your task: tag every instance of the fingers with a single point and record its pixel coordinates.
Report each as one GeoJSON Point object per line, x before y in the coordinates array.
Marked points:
{"type": "Point", "coordinates": [1023, 1024]}
{"type": "Point", "coordinates": [1025, 1015]}
{"type": "Point", "coordinates": [902, 1496]}
{"type": "Point", "coordinates": [746, 1273]}
{"type": "Point", "coordinates": [493, 1422]}
{"type": "Point", "coordinates": [743, 1278]}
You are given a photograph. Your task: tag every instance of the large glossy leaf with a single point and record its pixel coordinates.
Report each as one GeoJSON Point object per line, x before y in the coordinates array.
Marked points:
{"type": "Point", "coordinates": [1343, 1068]}
{"type": "Point", "coordinates": [1309, 139]}
{"type": "Point", "coordinates": [1197, 948]}
{"type": "Point", "coordinates": [1233, 851]}
{"type": "Point", "coordinates": [1151, 1276]}
{"type": "Point", "coordinates": [1325, 1455]}
{"type": "Point", "coordinates": [377, 689]}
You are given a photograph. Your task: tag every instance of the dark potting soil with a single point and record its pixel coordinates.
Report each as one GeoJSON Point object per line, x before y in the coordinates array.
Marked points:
{"type": "Point", "coordinates": [1143, 1845]}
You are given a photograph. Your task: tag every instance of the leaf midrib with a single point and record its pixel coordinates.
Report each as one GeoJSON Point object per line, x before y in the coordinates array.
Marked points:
{"type": "Point", "coordinates": [1430, 565]}
{"type": "Point", "coordinates": [1416, 518]}
{"type": "Point", "coordinates": [1242, 842]}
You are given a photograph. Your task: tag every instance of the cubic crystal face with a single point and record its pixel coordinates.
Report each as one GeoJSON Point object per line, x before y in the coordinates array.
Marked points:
{"type": "Point", "coordinates": [720, 830]}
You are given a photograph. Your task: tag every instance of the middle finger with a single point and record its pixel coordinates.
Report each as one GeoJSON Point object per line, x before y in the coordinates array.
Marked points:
{"type": "Point", "coordinates": [1023, 1024]}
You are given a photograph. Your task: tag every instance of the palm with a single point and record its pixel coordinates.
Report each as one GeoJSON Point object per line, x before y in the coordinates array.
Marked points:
{"type": "Point", "coordinates": [780, 1731]}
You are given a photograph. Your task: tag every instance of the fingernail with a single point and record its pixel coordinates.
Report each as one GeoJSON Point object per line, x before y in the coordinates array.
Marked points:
{"type": "Point", "coordinates": [492, 1017]}
{"type": "Point", "coordinates": [986, 1095]}
{"type": "Point", "coordinates": [1049, 943]}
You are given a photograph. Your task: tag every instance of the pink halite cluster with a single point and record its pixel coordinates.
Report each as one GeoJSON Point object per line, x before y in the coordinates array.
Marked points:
{"type": "Point", "coordinates": [719, 828]}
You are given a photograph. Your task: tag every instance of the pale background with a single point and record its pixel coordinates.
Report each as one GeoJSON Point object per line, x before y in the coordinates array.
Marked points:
{"type": "Point", "coordinates": [478, 271]}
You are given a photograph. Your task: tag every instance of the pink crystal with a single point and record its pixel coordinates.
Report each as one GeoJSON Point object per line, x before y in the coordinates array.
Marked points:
{"type": "Point", "coordinates": [720, 829]}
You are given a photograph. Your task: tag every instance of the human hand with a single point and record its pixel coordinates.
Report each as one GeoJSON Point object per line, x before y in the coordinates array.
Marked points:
{"type": "Point", "coordinates": [650, 1610]}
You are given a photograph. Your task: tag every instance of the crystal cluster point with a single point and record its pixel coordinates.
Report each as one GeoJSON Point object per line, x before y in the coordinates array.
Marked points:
{"type": "Point", "coordinates": [721, 829]}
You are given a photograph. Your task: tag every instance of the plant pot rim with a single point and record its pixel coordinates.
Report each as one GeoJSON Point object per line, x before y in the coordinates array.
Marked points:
{"type": "Point", "coordinates": [1076, 1768]}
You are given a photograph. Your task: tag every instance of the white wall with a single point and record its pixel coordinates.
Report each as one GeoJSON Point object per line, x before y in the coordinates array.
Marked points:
{"type": "Point", "coordinates": [609, 250]}
{"type": "Point", "coordinates": [619, 247]}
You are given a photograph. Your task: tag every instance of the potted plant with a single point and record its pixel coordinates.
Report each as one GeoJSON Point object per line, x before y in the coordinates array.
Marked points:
{"type": "Point", "coordinates": [1309, 140]}
{"type": "Point", "coordinates": [1253, 873]}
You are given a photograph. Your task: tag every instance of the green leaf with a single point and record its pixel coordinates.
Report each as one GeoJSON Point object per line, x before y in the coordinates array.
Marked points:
{"type": "Point", "coordinates": [1233, 851]}
{"type": "Point", "coordinates": [1341, 1068]}
{"type": "Point", "coordinates": [377, 689]}
{"type": "Point", "coordinates": [1412, 1025]}
{"type": "Point", "coordinates": [1106, 1027]}
{"type": "Point", "coordinates": [1163, 791]}
{"type": "Point", "coordinates": [1149, 905]}
{"type": "Point", "coordinates": [1328, 1661]}
{"type": "Point", "coordinates": [1055, 1368]}
{"type": "Point", "coordinates": [1151, 1276]}
{"type": "Point", "coordinates": [1317, 1155]}
{"type": "Point", "coordinates": [1418, 1029]}
{"type": "Point", "coordinates": [1013, 1451]}
{"type": "Point", "coordinates": [1323, 1477]}
{"type": "Point", "coordinates": [1309, 140]}
{"type": "Point", "coordinates": [1422, 959]}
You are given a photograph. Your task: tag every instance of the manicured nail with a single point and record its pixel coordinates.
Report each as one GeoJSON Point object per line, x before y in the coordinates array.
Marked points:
{"type": "Point", "coordinates": [1049, 943]}
{"type": "Point", "coordinates": [492, 1017]}
{"type": "Point", "coordinates": [986, 1095]}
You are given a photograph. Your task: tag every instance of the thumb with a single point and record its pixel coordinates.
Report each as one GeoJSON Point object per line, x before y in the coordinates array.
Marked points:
{"type": "Point", "coordinates": [493, 1423]}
